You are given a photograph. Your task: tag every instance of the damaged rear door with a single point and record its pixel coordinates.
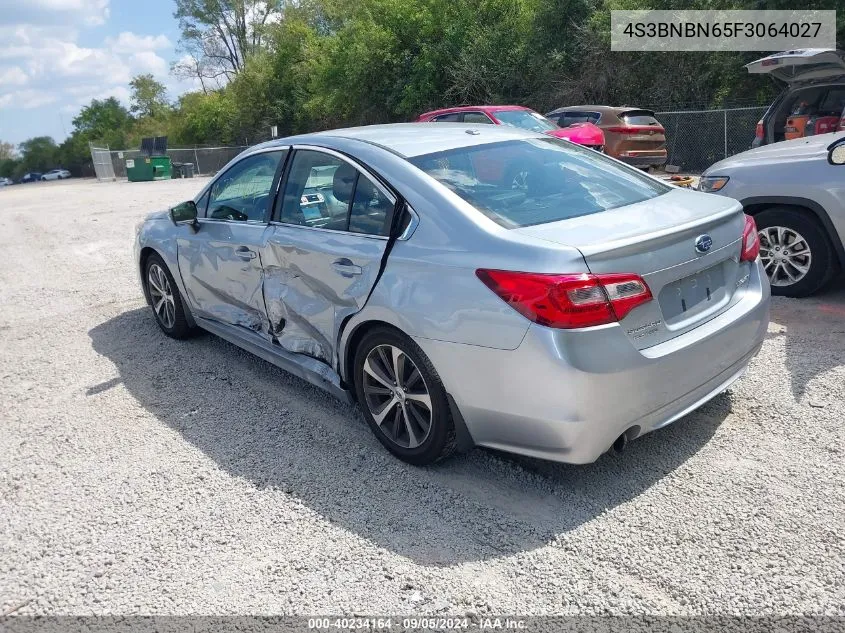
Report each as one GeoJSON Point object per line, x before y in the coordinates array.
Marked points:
{"type": "Point", "coordinates": [220, 262]}
{"type": "Point", "coordinates": [329, 235]}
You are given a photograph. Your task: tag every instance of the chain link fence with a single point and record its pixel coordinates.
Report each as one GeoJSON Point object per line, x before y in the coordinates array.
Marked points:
{"type": "Point", "coordinates": [101, 160]}
{"type": "Point", "coordinates": [207, 161]}
{"type": "Point", "coordinates": [695, 139]}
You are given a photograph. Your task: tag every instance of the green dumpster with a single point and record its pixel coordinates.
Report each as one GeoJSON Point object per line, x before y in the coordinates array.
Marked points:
{"type": "Point", "coordinates": [145, 168]}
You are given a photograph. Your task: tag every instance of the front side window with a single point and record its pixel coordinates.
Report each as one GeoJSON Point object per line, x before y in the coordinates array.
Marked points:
{"type": "Point", "coordinates": [243, 192]}
{"type": "Point", "coordinates": [526, 120]}
{"type": "Point", "coordinates": [534, 181]}
{"type": "Point", "coordinates": [326, 192]}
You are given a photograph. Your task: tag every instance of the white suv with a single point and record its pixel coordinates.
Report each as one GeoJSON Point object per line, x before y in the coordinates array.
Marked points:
{"type": "Point", "coordinates": [794, 191]}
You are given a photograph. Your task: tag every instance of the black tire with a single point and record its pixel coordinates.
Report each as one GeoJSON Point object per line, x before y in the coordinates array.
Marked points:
{"type": "Point", "coordinates": [821, 261]}
{"type": "Point", "coordinates": [180, 327]}
{"type": "Point", "coordinates": [440, 442]}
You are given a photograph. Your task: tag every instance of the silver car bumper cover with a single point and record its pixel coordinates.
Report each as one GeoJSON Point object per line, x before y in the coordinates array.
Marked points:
{"type": "Point", "coordinates": [567, 395]}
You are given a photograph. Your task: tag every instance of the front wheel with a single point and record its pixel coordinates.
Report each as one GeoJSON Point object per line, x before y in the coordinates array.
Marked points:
{"type": "Point", "coordinates": [165, 299]}
{"type": "Point", "coordinates": [402, 398]}
{"type": "Point", "coordinates": [795, 252]}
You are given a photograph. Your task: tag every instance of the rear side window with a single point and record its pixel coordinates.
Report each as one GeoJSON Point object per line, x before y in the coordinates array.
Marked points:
{"type": "Point", "coordinates": [455, 117]}
{"type": "Point", "coordinates": [534, 181]}
{"type": "Point", "coordinates": [833, 102]}
{"type": "Point", "coordinates": [568, 118]}
{"type": "Point", "coordinates": [325, 192]}
{"type": "Point", "coordinates": [476, 117]}
{"type": "Point", "coordinates": [639, 117]}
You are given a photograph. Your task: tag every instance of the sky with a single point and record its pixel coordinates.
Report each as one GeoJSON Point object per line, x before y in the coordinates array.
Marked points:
{"type": "Point", "coordinates": [57, 55]}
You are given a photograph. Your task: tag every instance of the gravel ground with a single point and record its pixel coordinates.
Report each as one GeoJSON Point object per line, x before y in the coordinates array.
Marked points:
{"type": "Point", "coordinates": [144, 475]}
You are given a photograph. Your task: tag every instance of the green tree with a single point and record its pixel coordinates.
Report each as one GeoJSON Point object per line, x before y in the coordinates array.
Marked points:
{"type": "Point", "coordinates": [9, 167]}
{"type": "Point", "coordinates": [103, 121]}
{"type": "Point", "coordinates": [37, 154]}
{"type": "Point", "coordinates": [7, 150]}
{"type": "Point", "coordinates": [148, 98]}
{"type": "Point", "coordinates": [220, 35]}
{"type": "Point", "coordinates": [74, 154]}
{"type": "Point", "coordinates": [202, 118]}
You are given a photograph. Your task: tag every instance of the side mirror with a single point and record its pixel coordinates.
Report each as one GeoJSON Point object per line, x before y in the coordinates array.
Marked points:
{"type": "Point", "coordinates": [185, 213]}
{"type": "Point", "coordinates": [836, 153]}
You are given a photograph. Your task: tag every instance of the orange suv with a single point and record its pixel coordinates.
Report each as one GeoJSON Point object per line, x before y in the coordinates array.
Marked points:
{"type": "Point", "coordinates": [632, 135]}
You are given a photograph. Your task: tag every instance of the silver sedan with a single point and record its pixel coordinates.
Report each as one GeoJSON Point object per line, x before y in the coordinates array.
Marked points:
{"type": "Point", "coordinates": [467, 285]}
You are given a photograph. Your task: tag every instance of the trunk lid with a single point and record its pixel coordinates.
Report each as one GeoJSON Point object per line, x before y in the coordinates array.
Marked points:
{"type": "Point", "coordinates": [808, 64]}
{"type": "Point", "coordinates": [657, 240]}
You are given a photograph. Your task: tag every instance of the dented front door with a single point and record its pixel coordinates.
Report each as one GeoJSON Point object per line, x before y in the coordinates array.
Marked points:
{"type": "Point", "coordinates": [325, 252]}
{"type": "Point", "coordinates": [220, 262]}
{"type": "Point", "coordinates": [221, 267]}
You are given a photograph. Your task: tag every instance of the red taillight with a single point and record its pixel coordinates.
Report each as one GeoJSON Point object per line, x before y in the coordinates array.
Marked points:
{"type": "Point", "coordinates": [758, 132]}
{"type": "Point", "coordinates": [568, 301]}
{"type": "Point", "coordinates": [637, 129]}
{"type": "Point", "coordinates": [750, 241]}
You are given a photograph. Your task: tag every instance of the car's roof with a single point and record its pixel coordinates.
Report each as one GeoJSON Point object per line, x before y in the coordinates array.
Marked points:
{"type": "Point", "coordinates": [477, 108]}
{"type": "Point", "coordinates": [600, 108]}
{"type": "Point", "coordinates": [414, 139]}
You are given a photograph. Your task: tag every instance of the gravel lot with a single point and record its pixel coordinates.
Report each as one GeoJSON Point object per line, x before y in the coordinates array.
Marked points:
{"type": "Point", "coordinates": [144, 475]}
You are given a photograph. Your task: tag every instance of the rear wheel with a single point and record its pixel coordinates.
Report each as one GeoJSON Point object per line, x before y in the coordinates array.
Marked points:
{"type": "Point", "coordinates": [402, 398]}
{"type": "Point", "coordinates": [795, 252]}
{"type": "Point", "coordinates": [165, 299]}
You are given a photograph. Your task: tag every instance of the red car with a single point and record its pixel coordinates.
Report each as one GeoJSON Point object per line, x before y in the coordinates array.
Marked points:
{"type": "Point", "coordinates": [585, 134]}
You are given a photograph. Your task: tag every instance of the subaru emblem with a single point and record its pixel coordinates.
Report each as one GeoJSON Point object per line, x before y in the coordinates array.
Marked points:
{"type": "Point", "coordinates": [703, 243]}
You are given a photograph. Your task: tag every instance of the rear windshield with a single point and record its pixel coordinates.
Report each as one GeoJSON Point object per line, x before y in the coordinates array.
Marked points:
{"type": "Point", "coordinates": [525, 119]}
{"type": "Point", "coordinates": [639, 117]}
{"type": "Point", "coordinates": [534, 181]}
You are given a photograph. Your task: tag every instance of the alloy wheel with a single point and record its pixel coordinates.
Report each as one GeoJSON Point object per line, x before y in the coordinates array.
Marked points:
{"type": "Point", "coordinates": [785, 254]}
{"type": "Point", "coordinates": [162, 296]}
{"type": "Point", "coordinates": [397, 396]}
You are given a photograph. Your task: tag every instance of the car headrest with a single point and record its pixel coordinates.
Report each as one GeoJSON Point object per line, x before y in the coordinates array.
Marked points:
{"type": "Point", "coordinates": [344, 182]}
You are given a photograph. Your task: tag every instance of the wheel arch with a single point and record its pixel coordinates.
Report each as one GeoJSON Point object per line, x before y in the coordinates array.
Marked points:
{"type": "Point", "coordinates": [346, 358]}
{"type": "Point", "coordinates": [352, 340]}
{"type": "Point", "coordinates": [755, 205]}
{"type": "Point", "coordinates": [143, 255]}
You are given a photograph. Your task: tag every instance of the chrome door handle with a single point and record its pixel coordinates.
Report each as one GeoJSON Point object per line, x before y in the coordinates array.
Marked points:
{"type": "Point", "coordinates": [244, 253]}
{"type": "Point", "coordinates": [345, 267]}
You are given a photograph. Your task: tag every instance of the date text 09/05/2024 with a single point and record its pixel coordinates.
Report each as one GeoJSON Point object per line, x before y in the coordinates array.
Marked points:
{"type": "Point", "coordinates": [419, 623]}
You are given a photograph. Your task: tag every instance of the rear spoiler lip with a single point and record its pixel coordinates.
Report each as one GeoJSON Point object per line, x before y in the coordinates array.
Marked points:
{"type": "Point", "coordinates": [623, 112]}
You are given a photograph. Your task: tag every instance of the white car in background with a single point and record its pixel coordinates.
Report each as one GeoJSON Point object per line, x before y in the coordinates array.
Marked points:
{"type": "Point", "coordinates": [5, 182]}
{"type": "Point", "coordinates": [56, 174]}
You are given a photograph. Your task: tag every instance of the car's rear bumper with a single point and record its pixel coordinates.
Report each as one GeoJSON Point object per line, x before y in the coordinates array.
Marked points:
{"type": "Point", "coordinates": [644, 159]}
{"type": "Point", "coordinates": [567, 395]}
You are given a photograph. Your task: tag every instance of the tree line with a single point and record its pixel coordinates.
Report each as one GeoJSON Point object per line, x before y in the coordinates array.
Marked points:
{"type": "Point", "coordinates": [304, 65]}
